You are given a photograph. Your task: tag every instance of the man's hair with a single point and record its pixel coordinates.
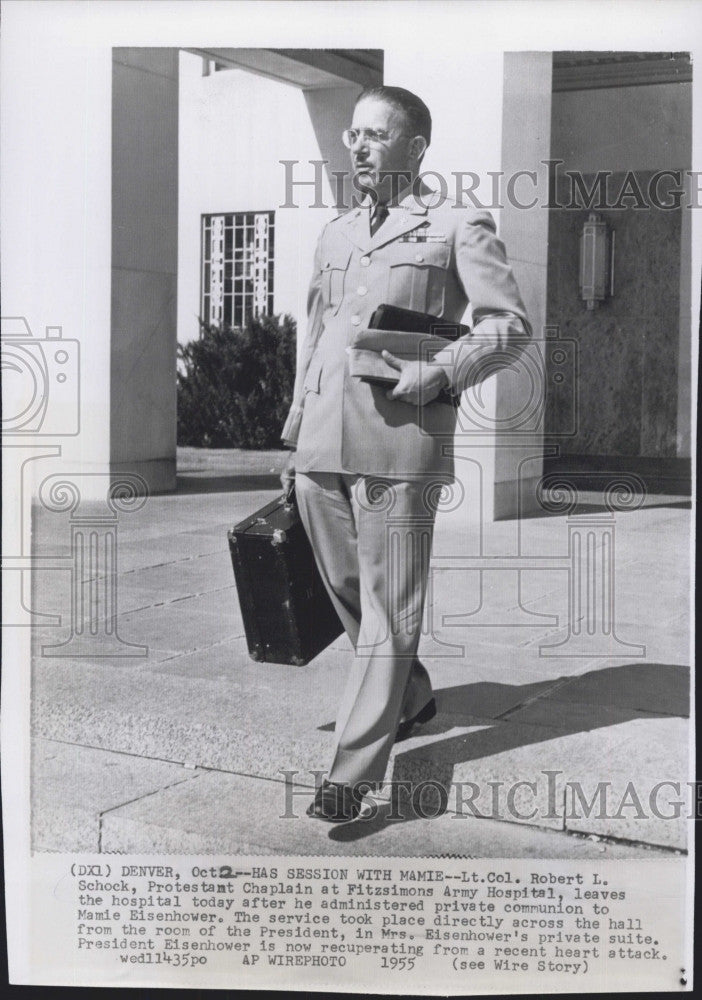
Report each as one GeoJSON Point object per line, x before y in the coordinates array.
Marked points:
{"type": "Point", "coordinates": [417, 113]}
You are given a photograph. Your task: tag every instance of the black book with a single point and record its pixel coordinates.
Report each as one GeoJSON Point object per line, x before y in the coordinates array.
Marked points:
{"type": "Point", "coordinates": [388, 317]}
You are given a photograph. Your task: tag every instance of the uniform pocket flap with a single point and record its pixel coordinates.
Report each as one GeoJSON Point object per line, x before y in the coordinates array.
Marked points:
{"type": "Point", "coordinates": [336, 258]}
{"type": "Point", "coordinates": [420, 255]}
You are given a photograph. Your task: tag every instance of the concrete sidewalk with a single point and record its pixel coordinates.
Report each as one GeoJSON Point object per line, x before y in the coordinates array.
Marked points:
{"type": "Point", "coordinates": [184, 749]}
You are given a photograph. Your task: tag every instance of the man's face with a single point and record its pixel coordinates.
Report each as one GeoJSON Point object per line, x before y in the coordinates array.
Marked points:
{"type": "Point", "coordinates": [371, 159]}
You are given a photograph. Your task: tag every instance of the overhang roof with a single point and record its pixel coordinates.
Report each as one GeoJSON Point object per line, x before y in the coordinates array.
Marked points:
{"type": "Point", "coordinates": [307, 69]}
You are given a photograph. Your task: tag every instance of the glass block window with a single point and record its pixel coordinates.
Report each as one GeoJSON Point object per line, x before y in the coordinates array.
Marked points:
{"type": "Point", "coordinates": [237, 267]}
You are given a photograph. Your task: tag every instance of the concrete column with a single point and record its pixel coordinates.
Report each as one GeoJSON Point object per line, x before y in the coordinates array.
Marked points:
{"type": "Point", "coordinates": [521, 392]}
{"type": "Point", "coordinates": [144, 264]}
{"type": "Point", "coordinates": [503, 124]}
{"type": "Point", "coordinates": [89, 252]}
{"type": "Point", "coordinates": [501, 422]}
{"type": "Point", "coordinates": [56, 252]}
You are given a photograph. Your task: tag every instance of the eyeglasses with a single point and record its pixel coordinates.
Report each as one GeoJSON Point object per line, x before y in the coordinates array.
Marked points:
{"type": "Point", "coordinates": [373, 136]}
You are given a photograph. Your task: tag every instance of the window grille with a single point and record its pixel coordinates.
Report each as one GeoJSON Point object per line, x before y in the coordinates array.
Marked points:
{"type": "Point", "coordinates": [237, 267]}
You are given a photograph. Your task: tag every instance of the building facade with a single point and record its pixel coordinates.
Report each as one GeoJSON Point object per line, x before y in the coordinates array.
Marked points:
{"type": "Point", "coordinates": [183, 213]}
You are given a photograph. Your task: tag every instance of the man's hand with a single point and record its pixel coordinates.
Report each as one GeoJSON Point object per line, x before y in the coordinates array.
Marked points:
{"type": "Point", "coordinates": [287, 476]}
{"type": "Point", "coordinates": [419, 383]}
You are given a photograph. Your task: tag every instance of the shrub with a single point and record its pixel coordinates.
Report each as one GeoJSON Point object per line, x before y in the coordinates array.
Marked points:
{"type": "Point", "coordinates": [235, 385]}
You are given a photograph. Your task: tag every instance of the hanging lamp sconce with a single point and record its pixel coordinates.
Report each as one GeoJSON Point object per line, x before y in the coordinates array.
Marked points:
{"type": "Point", "coordinates": [596, 261]}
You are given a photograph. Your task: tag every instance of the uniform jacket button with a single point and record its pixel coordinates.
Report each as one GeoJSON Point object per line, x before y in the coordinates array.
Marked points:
{"type": "Point", "coordinates": [419, 257]}
{"type": "Point", "coordinates": [356, 320]}
{"type": "Point", "coordinates": [362, 290]}
{"type": "Point", "coordinates": [364, 261]}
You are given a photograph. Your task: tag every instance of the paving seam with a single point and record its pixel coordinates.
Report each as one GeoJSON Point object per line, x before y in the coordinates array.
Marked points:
{"type": "Point", "coordinates": [557, 684]}
{"type": "Point", "coordinates": [168, 562]}
{"type": "Point", "coordinates": [606, 838]}
{"type": "Point", "coordinates": [141, 756]}
{"type": "Point", "coordinates": [201, 593]}
{"type": "Point", "coordinates": [275, 849]}
{"type": "Point", "coordinates": [197, 769]}
{"type": "Point", "coordinates": [565, 682]}
{"type": "Point", "coordinates": [576, 834]}
{"type": "Point", "coordinates": [175, 655]}
{"type": "Point", "coordinates": [200, 771]}
{"type": "Point", "coordinates": [162, 604]}
{"type": "Point", "coordinates": [171, 562]}
{"type": "Point", "coordinates": [174, 600]}
{"type": "Point", "coordinates": [203, 649]}
{"type": "Point", "coordinates": [103, 813]}
{"type": "Point", "coordinates": [140, 569]}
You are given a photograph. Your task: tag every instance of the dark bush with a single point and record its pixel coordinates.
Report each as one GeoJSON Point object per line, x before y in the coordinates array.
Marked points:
{"type": "Point", "coordinates": [235, 385]}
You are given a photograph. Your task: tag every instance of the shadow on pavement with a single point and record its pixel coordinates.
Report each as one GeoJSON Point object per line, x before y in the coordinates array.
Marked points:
{"type": "Point", "coordinates": [601, 508]}
{"type": "Point", "coordinates": [567, 705]}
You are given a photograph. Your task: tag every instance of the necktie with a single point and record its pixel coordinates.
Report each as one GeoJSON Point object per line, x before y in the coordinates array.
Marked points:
{"type": "Point", "coordinates": [380, 214]}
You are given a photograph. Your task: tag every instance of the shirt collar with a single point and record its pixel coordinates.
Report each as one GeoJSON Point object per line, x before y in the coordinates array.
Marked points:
{"type": "Point", "coordinates": [408, 199]}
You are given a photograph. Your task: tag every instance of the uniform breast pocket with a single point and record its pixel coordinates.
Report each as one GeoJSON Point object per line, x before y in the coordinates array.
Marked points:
{"type": "Point", "coordinates": [334, 267]}
{"type": "Point", "coordinates": [418, 276]}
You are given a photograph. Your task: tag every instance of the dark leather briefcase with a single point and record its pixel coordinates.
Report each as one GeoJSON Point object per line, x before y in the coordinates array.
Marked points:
{"type": "Point", "coordinates": [288, 615]}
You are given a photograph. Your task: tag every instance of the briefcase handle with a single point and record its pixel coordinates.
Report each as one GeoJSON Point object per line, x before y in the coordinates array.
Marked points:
{"type": "Point", "coordinates": [288, 496]}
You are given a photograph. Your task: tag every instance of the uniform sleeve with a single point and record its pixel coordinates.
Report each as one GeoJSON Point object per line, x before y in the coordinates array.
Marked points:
{"type": "Point", "coordinates": [501, 329]}
{"type": "Point", "coordinates": [291, 429]}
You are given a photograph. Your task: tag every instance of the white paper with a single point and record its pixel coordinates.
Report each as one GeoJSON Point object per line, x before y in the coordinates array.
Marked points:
{"type": "Point", "coordinates": [560, 910]}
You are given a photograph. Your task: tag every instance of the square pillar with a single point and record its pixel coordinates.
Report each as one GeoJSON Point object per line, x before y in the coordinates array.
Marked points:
{"type": "Point", "coordinates": [503, 125]}
{"type": "Point", "coordinates": [501, 424]}
{"type": "Point", "coordinates": [90, 254]}
{"type": "Point", "coordinates": [144, 264]}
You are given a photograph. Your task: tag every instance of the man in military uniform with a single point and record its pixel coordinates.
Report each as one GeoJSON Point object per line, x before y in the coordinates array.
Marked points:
{"type": "Point", "coordinates": [368, 458]}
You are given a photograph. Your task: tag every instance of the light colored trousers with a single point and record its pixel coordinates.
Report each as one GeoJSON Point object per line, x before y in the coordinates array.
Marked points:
{"type": "Point", "coordinates": [372, 541]}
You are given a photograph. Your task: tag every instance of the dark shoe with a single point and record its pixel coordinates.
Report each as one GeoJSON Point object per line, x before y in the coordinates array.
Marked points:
{"type": "Point", "coordinates": [335, 803]}
{"type": "Point", "coordinates": [404, 730]}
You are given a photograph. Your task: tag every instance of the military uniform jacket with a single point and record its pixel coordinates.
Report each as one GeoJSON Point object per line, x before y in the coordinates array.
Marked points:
{"type": "Point", "coordinates": [429, 256]}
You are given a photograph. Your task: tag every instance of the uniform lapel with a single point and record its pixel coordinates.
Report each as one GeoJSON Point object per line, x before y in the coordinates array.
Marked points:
{"type": "Point", "coordinates": [401, 220]}
{"type": "Point", "coordinates": [408, 215]}
{"type": "Point", "coordinates": [355, 227]}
